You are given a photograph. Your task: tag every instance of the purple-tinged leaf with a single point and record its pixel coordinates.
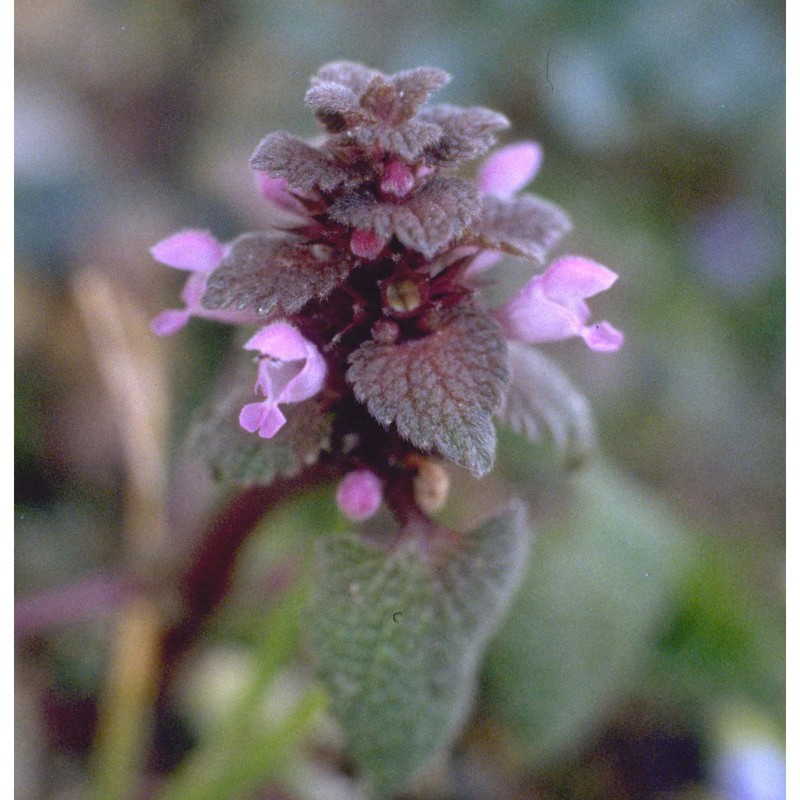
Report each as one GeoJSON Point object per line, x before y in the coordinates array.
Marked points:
{"type": "Point", "coordinates": [267, 273]}
{"type": "Point", "coordinates": [336, 106]}
{"type": "Point", "coordinates": [304, 167]}
{"type": "Point", "coordinates": [415, 86]}
{"type": "Point", "coordinates": [541, 396]}
{"type": "Point", "coordinates": [466, 132]}
{"type": "Point", "coordinates": [523, 226]}
{"type": "Point", "coordinates": [440, 391]}
{"type": "Point", "coordinates": [350, 74]}
{"type": "Point", "coordinates": [427, 221]}
{"type": "Point", "coordinates": [406, 139]}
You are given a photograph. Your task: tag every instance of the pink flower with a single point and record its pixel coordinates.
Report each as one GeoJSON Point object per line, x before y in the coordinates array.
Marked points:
{"type": "Point", "coordinates": [502, 175]}
{"type": "Point", "coordinates": [510, 169]}
{"type": "Point", "coordinates": [290, 369]}
{"type": "Point", "coordinates": [359, 495]}
{"type": "Point", "coordinates": [289, 211]}
{"type": "Point", "coordinates": [199, 253]}
{"type": "Point", "coordinates": [552, 306]}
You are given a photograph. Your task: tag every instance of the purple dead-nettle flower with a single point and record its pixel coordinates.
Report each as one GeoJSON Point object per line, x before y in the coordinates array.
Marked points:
{"type": "Point", "coordinates": [376, 332]}
{"type": "Point", "coordinates": [552, 306]}
{"type": "Point", "coordinates": [376, 353]}
{"type": "Point", "coordinates": [290, 369]}
{"type": "Point", "coordinates": [199, 253]}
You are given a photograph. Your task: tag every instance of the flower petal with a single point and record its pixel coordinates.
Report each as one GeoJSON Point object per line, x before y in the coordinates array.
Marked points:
{"type": "Point", "coordinates": [265, 417]}
{"type": "Point", "coordinates": [550, 307]}
{"type": "Point", "coordinates": [274, 191]}
{"type": "Point", "coordinates": [574, 277]}
{"type": "Point", "coordinates": [603, 337]}
{"type": "Point", "coordinates": [196, 251]}
{"type": "Point", "coordinates": [510, 169]}
{"type": "Point", "coordinates": [169, 321]}
{"type": "Point", "coordinates": [279, 340]}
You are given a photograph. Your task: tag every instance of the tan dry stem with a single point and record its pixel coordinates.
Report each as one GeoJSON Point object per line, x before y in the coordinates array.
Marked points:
{"type": "Point", "coordinates": [133, 369]}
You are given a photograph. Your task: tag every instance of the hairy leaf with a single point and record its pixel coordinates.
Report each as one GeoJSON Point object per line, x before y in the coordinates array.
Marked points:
{"type": "Point", "coordinates": [466, 132]}
{"type": "Point", "coordinates": [268, 273]}
{"type": "Point", "coordinates": [441, 390]}
{"type": "Point", "coordinates": [304, 167]}
{"type": "Point", "coordinates": [415, 86]}
{"type": "Point", "coordinates": [398, 636]}
{"type": "Point", "coordinates": [603, 577]}
{"type": "Point", "coordinates": [350, 74]}
{"type": "Point", "coordinates": [433, 217]}
{"type": "Point", "coordinates": [540, 394]}
{"type": "Point", "coordinates": [243, 458]}
{"type": "Point", "coordinates": [524, 225]}
{"type": "Point", "coordinates": [406, 139]}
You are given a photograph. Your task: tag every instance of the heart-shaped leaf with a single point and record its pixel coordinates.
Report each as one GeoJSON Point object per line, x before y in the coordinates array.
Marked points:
{"type": "Point", "coordinates": [441, 390]}
{"type": "Point", "coordinates": [398, 635]}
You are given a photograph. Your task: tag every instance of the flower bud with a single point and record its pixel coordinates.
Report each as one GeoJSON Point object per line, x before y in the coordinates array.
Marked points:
{"type": "Point", "coordinates": [397, 180]}
{"type": "Point", "coordinates": [359, 495]}
{"type": "Point", "coordinates": [431, 485]}
{"type": "Point", "coordinates": [366, 244]}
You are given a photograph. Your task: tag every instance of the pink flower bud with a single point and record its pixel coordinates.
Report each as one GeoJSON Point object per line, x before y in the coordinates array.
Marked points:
{"type": "Point", "coordinates": [359, 495]}
{"type": "Point", "coordinates": [366, 244]}
{"type": "Point", "coordinates": [397, 180]}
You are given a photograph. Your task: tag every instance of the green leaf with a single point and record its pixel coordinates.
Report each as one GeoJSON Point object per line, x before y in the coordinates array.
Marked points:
{"type": "Point", "coordinates": [246, 459]}
{"type": "Point", "coordinates": [398, 635]}
{"type": "Point", "coordinates": [588, 615]}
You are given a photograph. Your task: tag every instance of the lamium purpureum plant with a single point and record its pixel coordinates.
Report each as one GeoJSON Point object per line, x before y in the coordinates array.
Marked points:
{"type": "Point", "coordinates": [373, 351]}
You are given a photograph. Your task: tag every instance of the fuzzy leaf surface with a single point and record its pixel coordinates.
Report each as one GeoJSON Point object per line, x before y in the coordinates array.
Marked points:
{"type": "Point", "coordinates": [398, 636]}
{"type": "Point", "coordinates": [466, 132]}
{"type": "Point", "coordinates": [415, 86]}
{"type": "Point", "coordinates": [304, 167]}
{"type": "Point", "coordinates": [236, 456]}
{"type": "Point", "coordinates": [541, 396]}
{"type": "Point", "coordinates": [524, 225]}
{"type": "Point", "coordinates": [407, 139]}
{"type": "Point", "coordinates": [441, 390]}
{"type": "Point", "coordinates": [266, 273]}
{"type": "Point", "coordinates": [349, 74]}
{"type": "Point", "coordinates": [436, 215]}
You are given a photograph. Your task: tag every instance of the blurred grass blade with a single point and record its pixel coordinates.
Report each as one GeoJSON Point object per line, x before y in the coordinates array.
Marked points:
{"type": "Point", "coordinates": [134, 373]}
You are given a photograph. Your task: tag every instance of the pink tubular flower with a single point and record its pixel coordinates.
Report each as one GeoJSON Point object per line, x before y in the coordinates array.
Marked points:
{"type": "Point", "coordinates": [510, 169]}
{"type": "Point", "coordinates": [199, 253]}
{"type": "Point", "coordinates": [359, 495]}
{"type": "Point", "coordinates": [552, 306]}
{"type": "Point", "coordinates": [502, 175]}
{"type": "Point", "coordinates": [289, 210]}
{"type": "Point", "coordinates": [290, 369]}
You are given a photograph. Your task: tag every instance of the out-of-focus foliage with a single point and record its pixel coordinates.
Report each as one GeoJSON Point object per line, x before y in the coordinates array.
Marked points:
{"type": "Point", "coordinates": [662, 126]}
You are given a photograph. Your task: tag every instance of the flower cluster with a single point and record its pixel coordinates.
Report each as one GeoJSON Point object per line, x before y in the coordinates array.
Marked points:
{"type": "Point", "coordinates": [374, 337]}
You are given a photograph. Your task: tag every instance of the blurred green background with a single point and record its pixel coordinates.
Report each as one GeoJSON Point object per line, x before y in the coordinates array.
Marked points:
{"type": "Point", "coordinates": [647, 643]}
